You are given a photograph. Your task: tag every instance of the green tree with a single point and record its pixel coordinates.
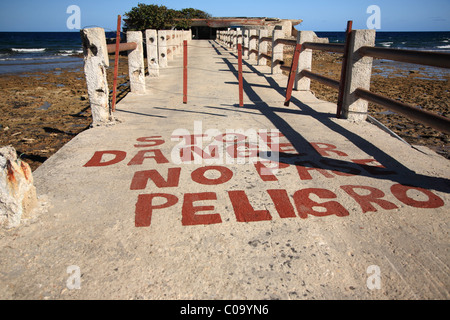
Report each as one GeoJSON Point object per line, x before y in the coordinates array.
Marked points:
{"type": "Point", "coordinates": [184, 17]}
{"type": "Point", "coordinates": [151, 16]}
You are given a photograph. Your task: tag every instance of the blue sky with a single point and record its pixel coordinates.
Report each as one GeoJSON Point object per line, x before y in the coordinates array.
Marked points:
{"type": "Point", "coordinates": [317, 15]}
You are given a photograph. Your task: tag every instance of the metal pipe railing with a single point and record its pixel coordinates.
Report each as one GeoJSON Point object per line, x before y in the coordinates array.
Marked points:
{"type": "Point", "coordinates": [426, 117]}
{"type": "Point", "coordinates": [122, 47]}
{"type": "Point", "coordinates": [319, 78]}
{"type": "Point", "coordinates": [434, 59]}
{"type": "Point", "coordinates": [264, 55]}
{"type": "Point", "coordinates": [265, 38]}
{"type": "Point", "coordinates": [288, 42]}
{"type": "Point", "coordinates": [330, 47]}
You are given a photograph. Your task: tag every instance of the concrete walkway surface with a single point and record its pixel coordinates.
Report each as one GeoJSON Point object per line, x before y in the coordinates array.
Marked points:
{"type": "Point", "coordinates": [350, 213]}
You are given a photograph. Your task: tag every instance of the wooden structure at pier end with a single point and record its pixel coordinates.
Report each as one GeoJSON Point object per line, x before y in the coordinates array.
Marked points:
{"type": "Point", "coordinates": [206, 29]}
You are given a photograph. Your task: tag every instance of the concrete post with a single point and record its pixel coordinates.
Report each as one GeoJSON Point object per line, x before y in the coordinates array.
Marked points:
{"type": "Point", "coordinates": [233, 39]}
{"type": "Point", "coordinates": [245, 35]}
{"type": "Point", "coordinates": [263, 47]}
{"type": "Point", "coordinates": [252, 45]}
{"type": "Point", "coordinates": [304, 61]}
{"type": "Point", "coordinates": [17, 193]}
{"type": "Point", "coordinates": [179, 41]}
{"type": "Point", "coordinates": [277, 51]}
{"type": "Point", "coordinates": [169, 45]}
{"type": "Point", "coordinates": [239, 38]}
{"type": "Point", "coordinates": [162, 49]}
{"type": "Point", "coordinates": [95, 63]}
{"type": "Point", "coordinates": [359, 72]}
{"type": "Point", "coordinates": [136, 67]}
{"type": "Point", "coordinates": [175, 43]}
{"type": "Point", "coordinates": [152, 52]}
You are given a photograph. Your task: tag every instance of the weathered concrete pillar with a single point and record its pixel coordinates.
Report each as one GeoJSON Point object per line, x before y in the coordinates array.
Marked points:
{"type": "Point", "coordinates": [175, 43]}
{"type": "Point", "coordinates": [277, 51]}
{"type": "Point", "coordinates": [178, 41]}
{"type": "Point", "coordinates": [17, 192]}
{"type": "Point", "coordinates": [252, 45]}
{"type": "Point", "coordinates": [245, 35]}
{"type": "Point", "coordinates": [162, 48]}
{"type": "Point", "coordinates": [152, 52]}
{"type": "Point", "coordinates": [359, 72]}
{"type": "Point", "coordinates": [169, 45]}
{"type": "Point", "coordinates": [263, 47]}
{"type": "Point", "coordinates": [304, 61]}
{"type": "Point", "coordinates": [136, 66]}
{"type": "Point", "coordinates": [239, 38]}
{"type": "Point", "coordinates": [95, 63]}
{"type": "Point", "coordinates": [233, 39]}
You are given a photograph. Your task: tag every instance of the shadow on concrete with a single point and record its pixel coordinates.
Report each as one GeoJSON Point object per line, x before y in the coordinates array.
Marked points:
{"type": "Point", "coordinates": [189, 111]}
{"type": "Point", "coordinates": [139, 113]}
{"type": "Point", "coordinates": [393, 170]}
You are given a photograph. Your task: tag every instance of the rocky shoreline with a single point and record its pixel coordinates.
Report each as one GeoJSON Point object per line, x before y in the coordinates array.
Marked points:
{"type": "Point", "coordinates": [42, 111]}
{"type": "Point", "coordinates": [417, 85]}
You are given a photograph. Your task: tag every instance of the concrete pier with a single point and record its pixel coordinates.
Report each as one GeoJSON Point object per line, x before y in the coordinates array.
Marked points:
{"type": "Point", "coordinates": [184, 201]}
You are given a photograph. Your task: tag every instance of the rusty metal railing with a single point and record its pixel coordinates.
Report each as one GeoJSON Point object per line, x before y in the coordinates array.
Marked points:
{"type": "Point", "coordinates": [434, 59]}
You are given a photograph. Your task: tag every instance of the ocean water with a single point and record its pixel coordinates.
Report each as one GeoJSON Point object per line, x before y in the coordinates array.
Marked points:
{"type": "Point", "coordinates": [429, 41]}
{"type": "Point", "coordinates": [422, 41]}
{"type": "Point", "coordinates": [40, 51]}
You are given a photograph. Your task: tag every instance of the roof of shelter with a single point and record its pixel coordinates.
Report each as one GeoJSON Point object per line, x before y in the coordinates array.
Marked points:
{"type": "Point", "coordinates": [226, 22]}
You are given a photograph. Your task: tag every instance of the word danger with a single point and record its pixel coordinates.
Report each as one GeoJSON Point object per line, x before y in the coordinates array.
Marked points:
{"type": "Point", "coordinates": [319, 202]}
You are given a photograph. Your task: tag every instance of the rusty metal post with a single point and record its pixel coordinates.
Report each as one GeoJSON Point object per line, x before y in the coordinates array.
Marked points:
{"type": "Point", "coordinates": [344, 69]}
{"type": "Point", "coordinates": [292, 74]}
{"type": "Point", "coordinates": [116, 64]}
{"type": "Point", "coordinates": [241, 80]}
{"type": "Point", "coordinates": [185, 71]}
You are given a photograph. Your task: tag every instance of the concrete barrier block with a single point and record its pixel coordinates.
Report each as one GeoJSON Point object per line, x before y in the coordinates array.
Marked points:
{"type": "Point", "coordinates": [277, 51]}
{"type": "Point", "coordinates": [304, 61]}
{"type": "Point", "coordinates": [162, 49]}
{"type": "Point", "coordinates": [359, 73]}
{"type": "Point", "coordinates": [152, 52]}
{"type": "Point", "coordinates": [136, 63]}
{"type": "Point", "coordinates": [95, 63]}
{"type": "Point", "coordinates": [17, 192]}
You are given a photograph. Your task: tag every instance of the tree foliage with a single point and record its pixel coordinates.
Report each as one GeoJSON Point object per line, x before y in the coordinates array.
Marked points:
{"type": "Point", "coordinates": [151, 16]}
